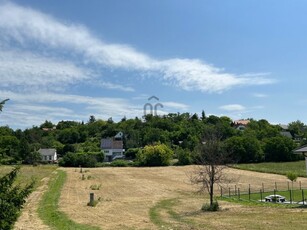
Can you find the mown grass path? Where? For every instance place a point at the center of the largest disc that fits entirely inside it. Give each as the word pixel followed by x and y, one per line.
pixel 48 209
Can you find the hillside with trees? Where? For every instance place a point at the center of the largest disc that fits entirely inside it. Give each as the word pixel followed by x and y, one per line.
pixel 178 134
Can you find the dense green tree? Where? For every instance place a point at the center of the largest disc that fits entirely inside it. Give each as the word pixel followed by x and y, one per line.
pixel 155 155
pixel 279 149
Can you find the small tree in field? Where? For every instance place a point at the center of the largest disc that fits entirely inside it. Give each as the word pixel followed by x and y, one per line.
pixel 292 177
pixel 211 160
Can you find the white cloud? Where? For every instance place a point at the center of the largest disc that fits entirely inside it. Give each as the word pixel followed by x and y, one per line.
pixel 19 68
pixel 260 95
pixel 233 108
pixel 175 105
pixel 25 24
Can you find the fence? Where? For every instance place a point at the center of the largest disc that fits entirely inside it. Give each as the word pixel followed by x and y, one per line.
pixel 294 193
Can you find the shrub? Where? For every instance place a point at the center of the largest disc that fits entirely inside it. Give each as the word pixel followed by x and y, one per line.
pixel 210 208
pixel 131 153
pixel 184 157
pixel 155 155
pixel 78 159
pixel 95 186
pixel 119 163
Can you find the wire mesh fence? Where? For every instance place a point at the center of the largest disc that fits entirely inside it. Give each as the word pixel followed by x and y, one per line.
pixel 278 192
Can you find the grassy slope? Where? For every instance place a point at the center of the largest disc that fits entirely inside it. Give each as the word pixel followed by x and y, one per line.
pixel 48 207
pixel 282 168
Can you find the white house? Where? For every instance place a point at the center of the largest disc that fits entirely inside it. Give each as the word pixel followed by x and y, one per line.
pixel 113 148
pixel 48 155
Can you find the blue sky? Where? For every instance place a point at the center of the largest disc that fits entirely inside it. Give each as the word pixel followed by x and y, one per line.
pixel 67 60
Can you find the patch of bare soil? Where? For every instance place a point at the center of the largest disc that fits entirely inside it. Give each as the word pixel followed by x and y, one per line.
pixel 29 218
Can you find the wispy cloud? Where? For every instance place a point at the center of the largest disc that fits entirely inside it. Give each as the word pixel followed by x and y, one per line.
pixel 19 68
pixel 27 26
pixel 233 108
pixel 260 95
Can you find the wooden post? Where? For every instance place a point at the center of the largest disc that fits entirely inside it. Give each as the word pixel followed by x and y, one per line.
pixel 260 195
pixel 239 193
pixel 92 199
pixel 221 192
pixel 275 186
pixel 262 187
pixel 229 191
pixel 249 192
pixel 235 189
pixel 300 185
pixel 303 197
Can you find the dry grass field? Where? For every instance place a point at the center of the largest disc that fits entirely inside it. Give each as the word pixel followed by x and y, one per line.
pixel 162 198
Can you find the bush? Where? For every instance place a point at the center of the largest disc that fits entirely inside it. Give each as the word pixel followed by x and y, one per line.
pixel 78 159
pixel 210 208
pixel 119 163
pixel 184 157
pixel 155 155
pixel 131 153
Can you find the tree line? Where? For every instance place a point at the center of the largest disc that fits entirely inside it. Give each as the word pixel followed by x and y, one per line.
pixel 181 133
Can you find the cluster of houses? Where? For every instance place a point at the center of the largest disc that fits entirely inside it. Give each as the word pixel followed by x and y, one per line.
pixel 113 149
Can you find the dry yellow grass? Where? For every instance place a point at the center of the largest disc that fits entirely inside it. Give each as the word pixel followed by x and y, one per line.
pixel 128 195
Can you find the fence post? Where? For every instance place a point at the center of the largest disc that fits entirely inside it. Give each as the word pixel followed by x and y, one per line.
pixel 229 191
pixel 239 193
pixel 303 197
pixel 235 189
pixel 260 195
pixel 221 192
pixel 262 187
pixel 275 186
pixel 249 192
pixel 300 185
pixel 288 186
pixel 92 199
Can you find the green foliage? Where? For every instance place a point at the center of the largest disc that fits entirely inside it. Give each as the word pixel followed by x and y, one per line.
pixel 33 158
pixel 78 159
pixel 12 199
pixel 155 155
pixel 120 163
pixel 210 208
pixel 184 157
pixel 132 152
pixel 95 186
pixel 292 176
pixel 279 149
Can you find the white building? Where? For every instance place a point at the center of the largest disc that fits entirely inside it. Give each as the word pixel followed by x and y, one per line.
pixel 48 155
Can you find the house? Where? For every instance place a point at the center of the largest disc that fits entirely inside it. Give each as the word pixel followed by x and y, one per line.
pixel 48 155
pixel 240 124
pixel 113 148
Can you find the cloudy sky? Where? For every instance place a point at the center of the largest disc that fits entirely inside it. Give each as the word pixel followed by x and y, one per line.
pixel 67 60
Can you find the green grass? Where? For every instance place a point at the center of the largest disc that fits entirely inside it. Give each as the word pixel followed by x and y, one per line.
pixel 282 168
pixel 48 206
pixel 296 195
pixel 164 217
pixel 28 173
